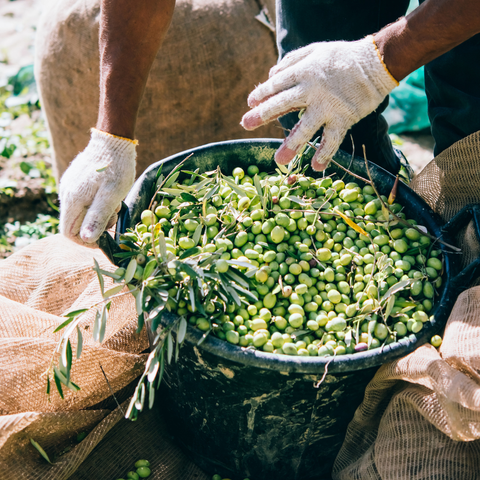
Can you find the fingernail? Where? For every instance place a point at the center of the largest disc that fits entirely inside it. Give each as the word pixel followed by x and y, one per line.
pixel 284 155
pixel 251 120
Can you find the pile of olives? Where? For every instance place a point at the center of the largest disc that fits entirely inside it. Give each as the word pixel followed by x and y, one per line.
pixel 336 269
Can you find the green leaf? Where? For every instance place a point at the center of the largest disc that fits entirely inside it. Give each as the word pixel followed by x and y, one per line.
pixel 103 324
pixel 296 200
pixel 171 179
pixel 162 367
pixel 58 382
pixel 75 313
pixel 234 294
pixel 397 288
pixel 371 329
pixel 69 359
pixel 125 254
pixel 101 169
pixel 130 271
pixel 142 397
pixel 190 252
pixel 197 234
pixel 211 192
pixel 151 395
pixel 258 186
pixel 48 385
pixel 155 311
pixel 159 172
pixel 235 188
pixel 153 370
pixel 162 244
pixel 276 290
pixel 79 342
pixel 64 324
pixel 99 275
pixel 177 351
pixel 139 302
pixel 241 264
pixel 188 197
pixel 149 268
pixel 187 269
pixel 389 307
pixel 140 323
pixel 113 291
pixel 238 277
pixel 40 450
pixel 169 347
pixel 348 338
pixel 182 330
pixel 96 326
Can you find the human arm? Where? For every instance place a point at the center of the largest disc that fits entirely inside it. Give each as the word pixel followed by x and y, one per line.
pixel 339 83
pixel 130 35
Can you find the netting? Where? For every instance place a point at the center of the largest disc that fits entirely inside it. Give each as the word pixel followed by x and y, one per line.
pixel 420 418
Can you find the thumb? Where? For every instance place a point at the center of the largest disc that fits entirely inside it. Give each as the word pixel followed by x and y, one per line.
pixel 332 137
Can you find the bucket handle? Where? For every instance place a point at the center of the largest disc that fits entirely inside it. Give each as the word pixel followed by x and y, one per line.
pixel 472 271
pixel 108 245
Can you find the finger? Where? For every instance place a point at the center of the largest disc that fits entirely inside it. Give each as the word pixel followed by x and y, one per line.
pixel 331 140
pixel 276 106
pixel 97 217
pixel 72 214
pixel 272 86
pixel 301 133
pixel 291 59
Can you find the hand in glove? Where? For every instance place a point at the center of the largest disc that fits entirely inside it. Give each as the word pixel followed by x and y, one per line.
pixel 95 183
pixel 338 84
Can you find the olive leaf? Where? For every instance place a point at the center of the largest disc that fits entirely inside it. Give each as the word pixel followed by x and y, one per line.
pixel 40 450
pixel 79 342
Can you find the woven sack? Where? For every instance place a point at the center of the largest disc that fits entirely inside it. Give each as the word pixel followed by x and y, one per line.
pixel 420 418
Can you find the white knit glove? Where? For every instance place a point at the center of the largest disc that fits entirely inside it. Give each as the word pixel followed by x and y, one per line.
pixel 338 83
pixel 95 183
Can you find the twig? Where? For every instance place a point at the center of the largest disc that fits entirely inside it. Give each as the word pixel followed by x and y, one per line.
pixel 111 391
pixel 399 219
pixel 317 385
pixel 166 178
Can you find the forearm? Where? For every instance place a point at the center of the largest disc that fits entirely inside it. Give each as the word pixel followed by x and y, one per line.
pixel 432 29
pixel 131 32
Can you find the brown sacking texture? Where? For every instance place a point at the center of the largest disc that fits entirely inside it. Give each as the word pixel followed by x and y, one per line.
pixel 420 418
pixel 37 285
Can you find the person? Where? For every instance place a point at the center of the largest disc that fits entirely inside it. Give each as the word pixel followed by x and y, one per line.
pixel 327 67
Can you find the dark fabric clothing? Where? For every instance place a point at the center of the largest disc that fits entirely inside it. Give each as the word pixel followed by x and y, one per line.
pixel 452 86
pixel 451 81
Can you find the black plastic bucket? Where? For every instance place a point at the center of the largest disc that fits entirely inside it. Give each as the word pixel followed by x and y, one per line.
pixel 245 413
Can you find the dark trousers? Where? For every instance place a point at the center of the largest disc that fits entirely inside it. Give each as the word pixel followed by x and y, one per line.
pixel 451 81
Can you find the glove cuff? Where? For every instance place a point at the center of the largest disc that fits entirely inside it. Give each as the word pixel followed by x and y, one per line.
pixel 377 71
pixel 380 57
pixel 111 147
pixel 101 133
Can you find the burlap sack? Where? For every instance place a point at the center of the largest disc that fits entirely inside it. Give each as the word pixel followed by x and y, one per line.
pixel 37 285
pixel 420 418
pixel 214 53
